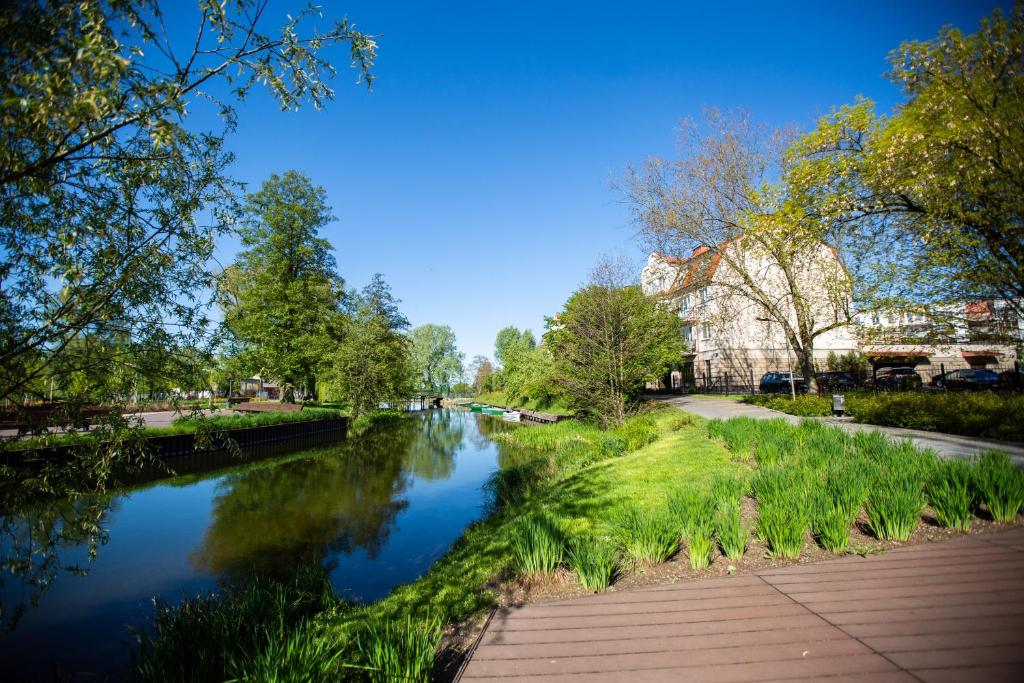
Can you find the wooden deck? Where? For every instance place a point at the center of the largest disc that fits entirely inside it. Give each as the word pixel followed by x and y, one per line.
pixel 951 611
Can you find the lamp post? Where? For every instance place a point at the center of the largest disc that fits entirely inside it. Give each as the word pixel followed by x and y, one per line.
pixel 789 357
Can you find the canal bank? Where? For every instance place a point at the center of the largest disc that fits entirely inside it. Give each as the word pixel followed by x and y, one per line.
pixel 374 512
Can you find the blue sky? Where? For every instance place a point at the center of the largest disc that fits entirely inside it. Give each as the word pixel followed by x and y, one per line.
pixel 476 174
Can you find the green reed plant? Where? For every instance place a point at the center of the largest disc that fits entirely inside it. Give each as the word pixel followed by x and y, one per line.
pixel 399 650
pixel 647 536
pixel 700 546
pixel 1000 486
pixel 732 535
pixel 846 488
pixel 727 488
pixel 692 509
pixel 537 546
pixel 307 653
pixel 894 506
pixel 951 492
pixel 782 525
pixel 831 526
pixel 594 560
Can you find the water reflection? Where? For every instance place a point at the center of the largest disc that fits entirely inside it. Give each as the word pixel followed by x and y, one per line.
pixel 373 512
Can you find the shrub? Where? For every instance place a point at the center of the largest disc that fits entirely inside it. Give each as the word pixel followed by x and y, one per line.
pixel 805 405
pixel 1000 486
pixel 399 650
pixel 894 506
pixel 637 432
pixel 648 536
pixel 732 535
pixel 537 546
pixel 594 560
pixel 692 509
pixel 951 492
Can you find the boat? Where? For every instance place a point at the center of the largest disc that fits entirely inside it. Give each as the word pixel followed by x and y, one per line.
pixel 511 416
pixel 476 408
pixel 491 410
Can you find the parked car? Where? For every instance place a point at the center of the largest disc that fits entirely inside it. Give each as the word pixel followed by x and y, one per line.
pixel 1011 380
pixel 967 380
pixel 890 379
pixel 835 381
pixel 778 382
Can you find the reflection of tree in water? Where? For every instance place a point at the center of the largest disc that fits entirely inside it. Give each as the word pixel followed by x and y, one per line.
pixel 436 439
pixel 270 521
pixel 30 546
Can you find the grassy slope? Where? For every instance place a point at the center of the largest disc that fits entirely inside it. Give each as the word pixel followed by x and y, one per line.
pixel 499 398
pixel 455 587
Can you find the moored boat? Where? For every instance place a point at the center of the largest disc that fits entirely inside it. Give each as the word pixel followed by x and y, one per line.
pixel 511 416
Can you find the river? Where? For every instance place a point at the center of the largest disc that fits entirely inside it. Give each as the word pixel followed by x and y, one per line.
pixel 375 511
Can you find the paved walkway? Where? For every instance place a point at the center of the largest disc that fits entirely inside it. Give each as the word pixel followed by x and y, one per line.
pixel 948 445
pixel 951 611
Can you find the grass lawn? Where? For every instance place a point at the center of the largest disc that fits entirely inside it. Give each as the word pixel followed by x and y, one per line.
pixel 499 398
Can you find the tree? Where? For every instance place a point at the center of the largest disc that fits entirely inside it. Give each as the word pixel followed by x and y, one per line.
pixel 607 342
pixel 282 297
pixel 437 360
pixel 722 200
pixel 102 180
pixel 932 198
pixel 373 362
pixel 511 341
pixel 480 371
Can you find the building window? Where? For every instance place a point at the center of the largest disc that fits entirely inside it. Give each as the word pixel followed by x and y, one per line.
pixel 705 330
pixel 684 304
pixel 687 334
pixel 875 320
pixel 704 295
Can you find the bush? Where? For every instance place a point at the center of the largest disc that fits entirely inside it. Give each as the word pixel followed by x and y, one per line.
pixel 647 536
pixel 594 560
pixel 637 432
pixel 1000 486
pixel 537 547
pixel 805 405
pixel 399 650
pixel 951 492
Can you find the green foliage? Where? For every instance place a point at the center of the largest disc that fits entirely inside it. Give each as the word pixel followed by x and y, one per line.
pixel 607 342
pixel 538 546
pixel 782 526
pixel 647 536
pixel 832 527
pixel 732 534
pixel 366 422
pixel 281 298
pixel 437 360
pixel 894 506
pixel 984 414
pixel 700 546
pixel 372 364
pixel 234 633
pixel 104 175
pixel 310 652
pixel 594 560
pixel 1000 486
pixel 693 510
pixel 951 492
pixel 399 650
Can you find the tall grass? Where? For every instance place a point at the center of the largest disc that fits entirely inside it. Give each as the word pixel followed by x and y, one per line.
pixel 214 637
pixel 700 546
pixel 732 535
pixel 693 509
pixel 538 546
pixel 783 517
pixel 951 492
pixel 594 560
pixel 401 650
pixel 894 506
pixel 307 653
pixel 647 536
pixel 1000 486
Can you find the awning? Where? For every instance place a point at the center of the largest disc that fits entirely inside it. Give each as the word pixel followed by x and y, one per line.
pixel 981 354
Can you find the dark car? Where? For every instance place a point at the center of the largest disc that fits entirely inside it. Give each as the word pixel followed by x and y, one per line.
pixel 1011 380
pixel 835 381
pixel 778 382
pixel 967 380
pixel 890 379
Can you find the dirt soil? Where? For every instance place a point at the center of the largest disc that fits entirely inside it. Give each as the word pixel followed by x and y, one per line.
pixel 460 638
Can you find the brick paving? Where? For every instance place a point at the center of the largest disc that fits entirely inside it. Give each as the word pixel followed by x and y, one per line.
pixel 950 611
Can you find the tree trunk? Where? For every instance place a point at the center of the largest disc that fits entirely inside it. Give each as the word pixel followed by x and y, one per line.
pixel 805 359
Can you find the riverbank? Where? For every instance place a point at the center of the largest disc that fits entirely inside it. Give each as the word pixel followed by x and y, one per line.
pixel 500 398
pixel 654 491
